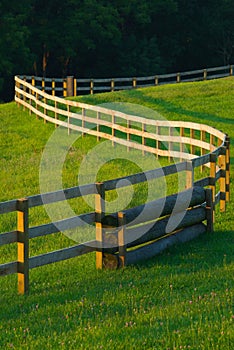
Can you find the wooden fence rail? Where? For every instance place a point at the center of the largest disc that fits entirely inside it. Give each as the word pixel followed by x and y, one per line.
pixel 71 86
pixel 119 236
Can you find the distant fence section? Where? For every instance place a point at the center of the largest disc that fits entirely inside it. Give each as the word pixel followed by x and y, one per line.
pixel 71 86
pixel 119 240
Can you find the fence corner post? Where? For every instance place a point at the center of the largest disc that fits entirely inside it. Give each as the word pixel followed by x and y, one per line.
pixel 99 215
pixel 23 245
pixel 121 239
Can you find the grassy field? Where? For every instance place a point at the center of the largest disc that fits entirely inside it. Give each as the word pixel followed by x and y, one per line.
pixel 181 299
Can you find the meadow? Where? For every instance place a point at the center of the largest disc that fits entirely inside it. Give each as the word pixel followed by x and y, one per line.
pixel 181 299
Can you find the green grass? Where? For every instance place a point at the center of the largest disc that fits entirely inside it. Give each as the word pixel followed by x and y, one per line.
pixel 181 299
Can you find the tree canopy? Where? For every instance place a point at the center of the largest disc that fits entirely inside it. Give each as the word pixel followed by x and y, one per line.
pixel 100 38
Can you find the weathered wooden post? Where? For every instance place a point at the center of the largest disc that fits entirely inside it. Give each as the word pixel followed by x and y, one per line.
pixel 23 246
pixel 70 86
pixel 134 83
pixel 99 215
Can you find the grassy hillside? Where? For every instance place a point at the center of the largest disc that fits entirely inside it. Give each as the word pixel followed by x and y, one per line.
pixel 181 299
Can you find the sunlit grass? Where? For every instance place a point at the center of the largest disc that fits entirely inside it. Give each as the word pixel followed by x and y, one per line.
pixel 181 299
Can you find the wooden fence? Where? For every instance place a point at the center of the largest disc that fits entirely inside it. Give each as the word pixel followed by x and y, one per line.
pixel 207 147
pixel 71 86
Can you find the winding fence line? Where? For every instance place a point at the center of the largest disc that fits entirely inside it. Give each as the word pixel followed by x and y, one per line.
pixel 119 240
pixel 71 86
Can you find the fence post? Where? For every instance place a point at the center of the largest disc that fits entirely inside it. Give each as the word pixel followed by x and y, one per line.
pixel 156 80
pixel 112 85
pixel 91 86
pixel 83 120
pixel 64 87
pixel 227 144
pixel 99 215
pixel 178 78
pixel 113 129
pixel 209 210
pixel 43 85
pixel 143 140
pixel 70 86
pixel 231 70
pixel 212 180
pixel 134 83
pixel 181 143
pixel 128 133
pixel 158 143
pixel 222 180
pixel 202 138
pixel 53 87
pixel 205 74
pixel 23 246
pixel 98 126
pixel 121 238
pixel 189 174
pixel 75 87
pixel 192 147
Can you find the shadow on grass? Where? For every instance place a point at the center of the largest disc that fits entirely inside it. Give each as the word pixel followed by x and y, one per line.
pixel 78 282
pixel 172 108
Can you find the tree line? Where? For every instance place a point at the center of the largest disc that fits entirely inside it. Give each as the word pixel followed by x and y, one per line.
pixel 115 38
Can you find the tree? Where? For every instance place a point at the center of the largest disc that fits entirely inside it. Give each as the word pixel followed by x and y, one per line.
pixel 14 51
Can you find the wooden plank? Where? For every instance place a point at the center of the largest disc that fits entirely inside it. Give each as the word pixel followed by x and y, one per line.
pixel 8 206
pixel 160 227
pixel 202 182
pixel 145 176
pixel 152 249
pixel 62 225
pixel 160 207
pixel 60 195
pixel 8 268
pixel 60 255
pixel 8 237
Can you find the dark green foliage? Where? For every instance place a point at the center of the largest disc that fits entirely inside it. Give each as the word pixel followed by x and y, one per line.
pixel 93 38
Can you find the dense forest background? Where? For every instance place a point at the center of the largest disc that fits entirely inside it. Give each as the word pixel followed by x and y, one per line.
pixel 116 38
